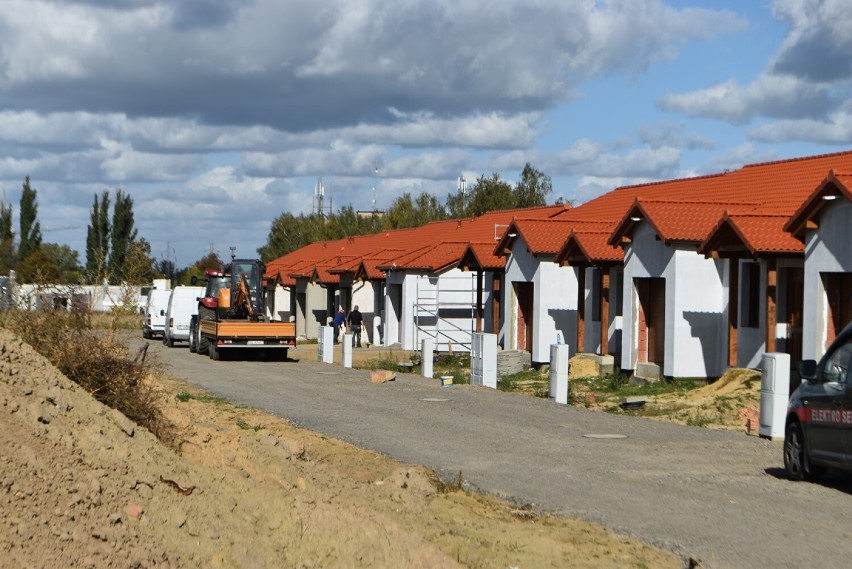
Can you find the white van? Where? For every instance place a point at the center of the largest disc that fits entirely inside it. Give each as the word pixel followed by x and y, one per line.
pixel 183 303
pixel 154 323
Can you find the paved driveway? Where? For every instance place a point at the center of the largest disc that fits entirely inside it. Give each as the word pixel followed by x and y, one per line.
pixel 718 496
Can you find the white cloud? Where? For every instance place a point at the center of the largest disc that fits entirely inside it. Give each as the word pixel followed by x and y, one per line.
pixel 590 158
pixel 769 95
pixel 808 78
pixel 221 113
pixel 836 128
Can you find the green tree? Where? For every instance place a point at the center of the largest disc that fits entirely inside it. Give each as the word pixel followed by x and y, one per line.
pixel 490 194
pixel 122 236
pixel 427 209
pixel 139 265
pixel 97 239
pixel 289 232
pixel 401 214
pixel 7 239
pixel 38 268
pixel 533 188
pixel 199 268
pixel 30 227
pixel 67 261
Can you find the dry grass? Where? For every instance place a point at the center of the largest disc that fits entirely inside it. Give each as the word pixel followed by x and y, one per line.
pixel 97 361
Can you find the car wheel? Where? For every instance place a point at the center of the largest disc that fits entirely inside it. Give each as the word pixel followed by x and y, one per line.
pixel 193 338
pixel 213 352
pixel 795 460
pixel 794 452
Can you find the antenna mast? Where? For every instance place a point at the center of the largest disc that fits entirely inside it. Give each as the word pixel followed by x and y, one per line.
pixel 319 199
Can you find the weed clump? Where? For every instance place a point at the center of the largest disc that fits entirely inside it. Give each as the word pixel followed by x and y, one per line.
pixel 96 361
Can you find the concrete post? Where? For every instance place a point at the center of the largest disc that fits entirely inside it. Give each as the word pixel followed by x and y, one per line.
pixel 427 353
pixel 558 388
pixel 483 360
pixel 347 350
pixel 325 344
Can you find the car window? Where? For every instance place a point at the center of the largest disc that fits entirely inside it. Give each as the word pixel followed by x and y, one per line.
pixel 836 365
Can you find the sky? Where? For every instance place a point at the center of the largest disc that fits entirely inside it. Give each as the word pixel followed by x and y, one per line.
pixel 217 116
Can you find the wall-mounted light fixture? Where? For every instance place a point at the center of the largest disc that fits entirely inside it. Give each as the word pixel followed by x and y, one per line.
pixel 829 197
pixel 635 218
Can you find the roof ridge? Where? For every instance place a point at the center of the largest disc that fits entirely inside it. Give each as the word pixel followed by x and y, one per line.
pixel 672 181
pixel 702 201
pixel 798 159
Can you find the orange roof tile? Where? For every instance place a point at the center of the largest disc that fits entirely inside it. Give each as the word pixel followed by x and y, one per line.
pixel 755 234
pixel 542 236
pixel 772 187
pixel 837 183
pixel 589 247
pixel 480 256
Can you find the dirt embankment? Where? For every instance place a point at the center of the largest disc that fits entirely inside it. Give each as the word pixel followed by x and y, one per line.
pixel 81 486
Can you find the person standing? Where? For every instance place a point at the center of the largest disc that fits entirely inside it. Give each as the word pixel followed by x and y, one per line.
pixel 356 320
pixel 339 320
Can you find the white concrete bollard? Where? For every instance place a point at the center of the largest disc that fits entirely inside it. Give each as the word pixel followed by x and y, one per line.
pixel 427 354
pixel 347 350
pixel 483 360
pixel 558 388
pixel 325 344
pixel 377 337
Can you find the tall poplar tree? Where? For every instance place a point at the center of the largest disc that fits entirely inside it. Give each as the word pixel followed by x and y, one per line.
pixel 122 236
pixel 7 238
pixel 30 227
pixel 97 239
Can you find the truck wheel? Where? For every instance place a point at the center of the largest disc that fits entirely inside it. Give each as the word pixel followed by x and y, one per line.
pixel 203 346
pixel 192 341
pixel 213 351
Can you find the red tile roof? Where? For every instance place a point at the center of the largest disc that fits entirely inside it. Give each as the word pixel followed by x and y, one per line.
pixel 754 234
pixel 589 247
pixel 542 236
pixel 480 256
pixel 685 210
pixel 432 247
pixel 772 188
pixel 838 183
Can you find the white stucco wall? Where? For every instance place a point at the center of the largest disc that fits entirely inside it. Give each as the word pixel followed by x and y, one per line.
pixel 554 302
pixel 316 307
pixel 696 305
pixel 363 296
pixel 751 342
pixel 592 343
pixel 454 291
pixel 394 308
pixel 828 249
pixel 279 304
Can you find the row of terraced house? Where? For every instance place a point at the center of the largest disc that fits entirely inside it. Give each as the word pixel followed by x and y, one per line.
pixel 694 275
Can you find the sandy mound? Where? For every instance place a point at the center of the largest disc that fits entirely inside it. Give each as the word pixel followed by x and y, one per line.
pixel 84 487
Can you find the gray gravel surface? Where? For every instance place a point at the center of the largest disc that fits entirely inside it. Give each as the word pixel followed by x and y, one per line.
pixel 712 495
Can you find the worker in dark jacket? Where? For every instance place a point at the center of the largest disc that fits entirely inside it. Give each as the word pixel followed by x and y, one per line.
pixel 339 320
pixel 356 320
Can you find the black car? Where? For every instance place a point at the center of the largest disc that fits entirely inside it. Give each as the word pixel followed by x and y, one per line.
pixel 819 416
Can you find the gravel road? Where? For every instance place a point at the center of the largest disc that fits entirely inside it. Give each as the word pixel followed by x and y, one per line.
pixel 713 495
